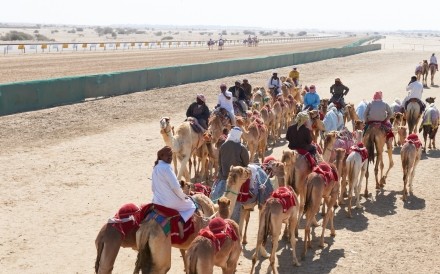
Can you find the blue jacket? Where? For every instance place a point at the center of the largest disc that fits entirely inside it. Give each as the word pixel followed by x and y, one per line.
pixel 311 99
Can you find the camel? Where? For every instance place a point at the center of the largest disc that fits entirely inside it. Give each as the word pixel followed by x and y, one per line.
pixel 376 138
pixel 259 93
pixel 224 208
pixel 397 122
pixel 410 155
pixel 356 163
pixel 412 115
pixel 425 71
pixel 272 216
pixel 359 125
pixel 204 252
pixel 218 122
pixel 317 188
pixel 284 122
pixel 200 161
pixel 432 70
pixel 109 240
pixel 342 171
pixel 430 125
pixel 401 135
pixel 268 117
pixel 256 138
pixel 329 142
pixel 350 114
pixel 323 106
pixel 184 142
pixel 317 125
pixel 278 113
pixel 150 236
pixel 278 172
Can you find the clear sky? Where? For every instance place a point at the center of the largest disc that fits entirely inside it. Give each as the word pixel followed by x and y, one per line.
pixel 307 14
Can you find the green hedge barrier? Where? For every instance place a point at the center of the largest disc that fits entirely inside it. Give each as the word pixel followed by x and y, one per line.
pixel 33 95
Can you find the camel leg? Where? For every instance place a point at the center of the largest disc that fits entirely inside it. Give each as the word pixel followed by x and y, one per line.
pixel 292 224
pixel 390 160
pixel 366 180
pixel 343 189
pixel 276 226
pixel 358 185
pixel 112 242
pixel 247 215
pixel 413 173
pixel 307 240
pixel 185 266
pixel 350 196
pixel 405 179
pixel 183 170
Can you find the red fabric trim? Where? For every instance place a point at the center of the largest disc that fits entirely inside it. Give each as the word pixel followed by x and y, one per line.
pixel 414 139
pixel 218 239
pixel 308 156
pixel 285 197
pixel 126 211
pixel 359 148
pixel 244 194
pixel 203 189
pixel 327 172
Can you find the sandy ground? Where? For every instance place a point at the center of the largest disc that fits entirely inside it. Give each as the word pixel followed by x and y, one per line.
pixel 66 170
pixel 27 67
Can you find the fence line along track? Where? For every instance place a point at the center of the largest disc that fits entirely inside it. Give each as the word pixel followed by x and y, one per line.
pixel 42 47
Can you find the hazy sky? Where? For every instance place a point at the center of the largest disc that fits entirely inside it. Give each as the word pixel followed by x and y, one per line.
pixel 283 14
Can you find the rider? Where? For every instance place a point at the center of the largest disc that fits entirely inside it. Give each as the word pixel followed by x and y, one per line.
pixel 360 109
pixel 419 69
pixel 333 119
pixel 415 91
pixel 298 135
pixel 239 95
pixel 166 188
pixel 338 91
pixel 294 75
pixel 378 111
pixel 275 83
pixel 433 60
pixel 225 102
pixel 231 153
pixel 311 99
pixel 247 91
pixel 396 106
pixel 200 111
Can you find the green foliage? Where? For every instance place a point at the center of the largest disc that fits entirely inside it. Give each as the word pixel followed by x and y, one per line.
pixel 302 33
pixel 16 36
pixel 79 29
pixel 159 33
pixel 41 37
pixel 249 32
pixel 71 31
pixel 167 38
pixel 103 31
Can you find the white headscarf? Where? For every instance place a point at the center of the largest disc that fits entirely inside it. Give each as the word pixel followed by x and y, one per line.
pixel 234 135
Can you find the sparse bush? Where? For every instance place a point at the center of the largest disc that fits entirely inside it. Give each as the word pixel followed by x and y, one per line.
pixel 282 33
pixel 54 31
pixel 224 32
pixel 79 29
pixel 40 37
pixel 103 31
pixel 167 38
pixel 249 32
pixel 140 32
pixel 16 36
pixel 36 31
pixel 114 34
pixel 176 33
pixel 302 33
pixel 159 33
pixel 71 31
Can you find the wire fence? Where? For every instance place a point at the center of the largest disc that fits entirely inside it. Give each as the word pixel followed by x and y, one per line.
pixel 44 47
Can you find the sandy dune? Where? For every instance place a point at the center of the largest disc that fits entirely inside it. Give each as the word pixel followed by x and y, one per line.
pixel 66 170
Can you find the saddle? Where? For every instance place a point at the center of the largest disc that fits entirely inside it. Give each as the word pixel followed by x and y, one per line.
pixel 414 139
pixel 194 123
pixel 359 148
pixel 202 189
pixel 285 197
pixel 308 155
pixel 328 173
pixel 126 219
pixel 218 231
pixel 223 115
pixel 244 193
pixel 267 165
pixel 385 126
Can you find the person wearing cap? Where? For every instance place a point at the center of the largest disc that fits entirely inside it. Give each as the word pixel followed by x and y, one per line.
pixel 239 95
pixel 166 188
pixel 299 135
pixel 247 91
pixel 338 91
pixel 311 99
pixel 274 84
pixel 396 106
pixel 225 102
pixel 199 111
pixel 415 91
pixel 378 111
pixel 294 75
pixel 231 153
pixel 433 60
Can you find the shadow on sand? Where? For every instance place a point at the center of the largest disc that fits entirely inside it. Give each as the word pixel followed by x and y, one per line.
pixel 383 205
pixel 414 203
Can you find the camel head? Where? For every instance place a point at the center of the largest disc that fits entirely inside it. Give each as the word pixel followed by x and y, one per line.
pixel 357 135
pixel 314 114
pixel 349 107
pixel 278 169
pixel 430 100
pixel 283 78
pixel 324 102
pixel 359 125
pixel 288 158
pixel 165 123
pixel 398 116
pixel 330 139
pixel 402 132
pixel 186 187
pixel 237 176
pixel 224 207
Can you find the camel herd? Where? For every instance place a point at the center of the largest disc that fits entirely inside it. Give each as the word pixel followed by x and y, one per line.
pixel 301 184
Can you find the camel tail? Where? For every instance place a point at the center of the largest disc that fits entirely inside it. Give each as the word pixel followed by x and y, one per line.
pixel 351 172
pixel 370 148
pixel 308 200
pixel 412 121
pixel 100 248
pixel 191 259
pixel 267 214
pixel 144 259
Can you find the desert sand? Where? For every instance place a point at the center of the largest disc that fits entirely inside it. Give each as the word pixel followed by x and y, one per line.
pixel 66 170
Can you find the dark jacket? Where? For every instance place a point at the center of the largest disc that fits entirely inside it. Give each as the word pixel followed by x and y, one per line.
pixel 247 90
pixel 299 138
pixel 241 94
pixel 231 154
pixel 198 111
pixel 338 90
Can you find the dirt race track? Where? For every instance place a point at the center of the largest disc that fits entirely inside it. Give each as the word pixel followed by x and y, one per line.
pixel 66 170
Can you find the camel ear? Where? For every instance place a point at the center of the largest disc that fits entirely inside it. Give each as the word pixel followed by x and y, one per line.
pixel 230 169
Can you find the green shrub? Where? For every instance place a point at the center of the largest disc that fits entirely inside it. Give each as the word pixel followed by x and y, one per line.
pixel 41 37
pixel 79 29
pixel 167 38
pixel 302 33
pixel 16 36
pixel 159 33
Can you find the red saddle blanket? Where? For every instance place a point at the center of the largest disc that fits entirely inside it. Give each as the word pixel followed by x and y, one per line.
pixel 126 219
pixel 203 189
pixel 168 219
pixel 327 172
pixel 285 196
pixel 267 165
pixel 308 156
pixel 385 126
pixel 218 231
pixel 244 194
pixel 359 148
pixel 414 139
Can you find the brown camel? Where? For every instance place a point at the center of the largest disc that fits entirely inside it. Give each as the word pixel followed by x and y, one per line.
pixel 184 143
pixel 224 208
pixel 256 139
pixel 375 139
pixel 258 95
pixel 323 106
pixel 397 122
pixel 203 253
pixel 432 70
pixel 150 237
pixel 341 166
pixel 401 135
pixel 356 167
pixel 359 125
pixel 272 217
pixel 109 239
pixel 268 117
pixel 425 71
pixel 430 123
pixel 278 171
pixel 218 122
pixel 329 142
pixel 318 188
pixel 350 114
pixel 278 113
pixel 317 125
pixel 412 115
pixel 410 155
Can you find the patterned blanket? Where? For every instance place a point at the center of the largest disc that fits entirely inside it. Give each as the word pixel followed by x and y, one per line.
pixel 285 197
pixel 328 173
pixel 201 188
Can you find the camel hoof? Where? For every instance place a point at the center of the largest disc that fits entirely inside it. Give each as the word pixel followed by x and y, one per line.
pixel 366 194
pixel 333 234
pixel 359 207
pixel 321 245
pixel 377 186
pixel 297 263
